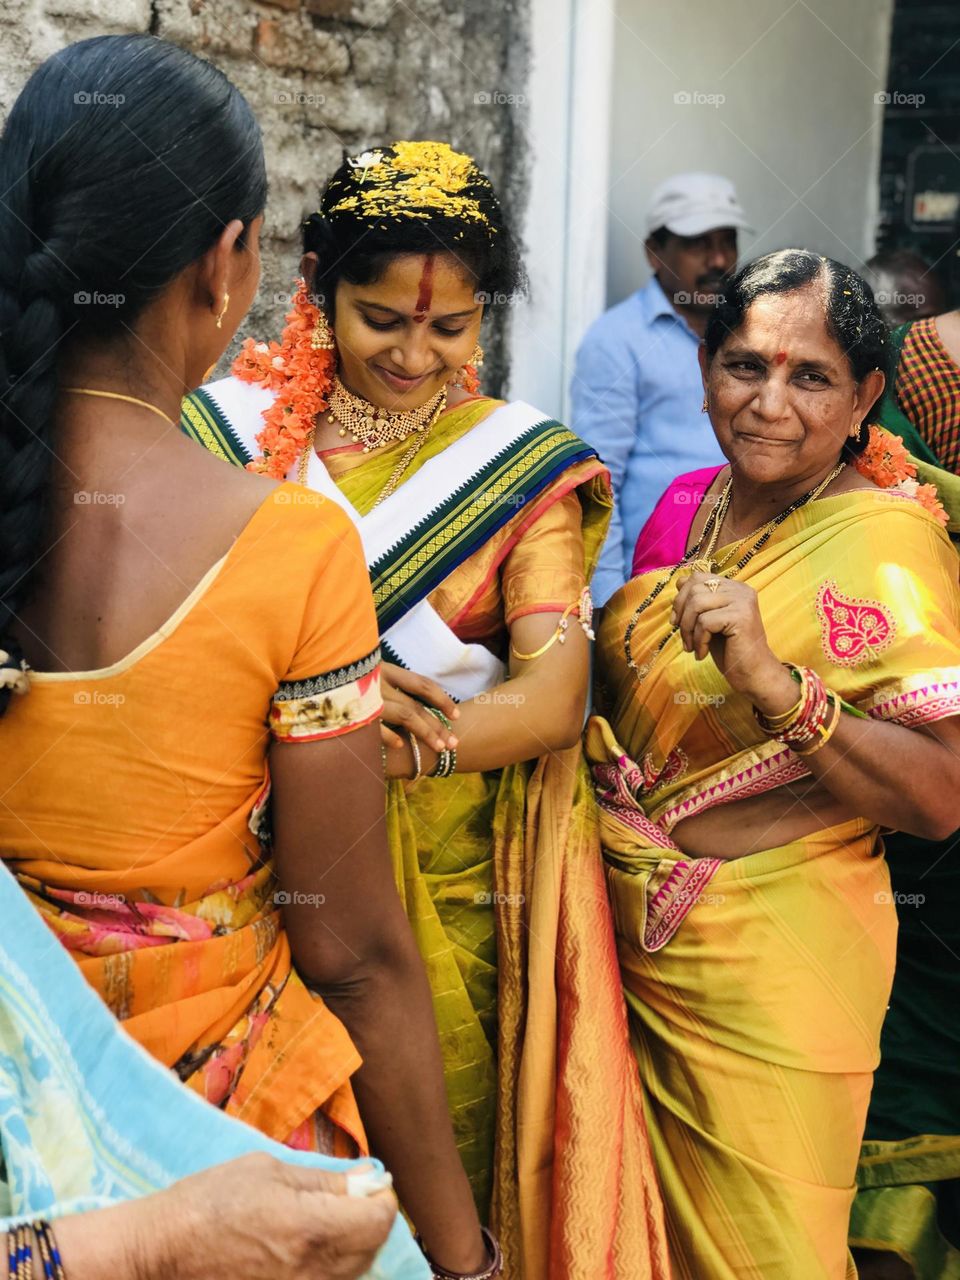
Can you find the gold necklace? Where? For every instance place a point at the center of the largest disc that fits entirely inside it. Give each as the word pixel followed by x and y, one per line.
pixel 116 395
pixel 395 475
pixel 694 560
pixel 373 426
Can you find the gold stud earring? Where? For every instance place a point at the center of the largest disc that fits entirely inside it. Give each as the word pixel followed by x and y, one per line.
pixel 854 432
pixel 223 309
pixel 704 407
pixel 322 338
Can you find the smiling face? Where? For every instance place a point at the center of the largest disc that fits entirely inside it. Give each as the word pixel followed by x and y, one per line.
pixel 402 337
pixel 781 393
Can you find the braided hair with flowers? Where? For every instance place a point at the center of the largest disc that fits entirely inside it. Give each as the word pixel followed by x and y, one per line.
pixel 407 198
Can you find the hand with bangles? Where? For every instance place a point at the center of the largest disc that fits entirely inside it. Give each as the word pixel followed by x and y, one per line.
pixel 409 730
pixel 252 1217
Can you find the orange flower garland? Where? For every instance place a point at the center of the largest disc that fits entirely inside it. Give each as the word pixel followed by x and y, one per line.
pixel 301 375
pixel 886 462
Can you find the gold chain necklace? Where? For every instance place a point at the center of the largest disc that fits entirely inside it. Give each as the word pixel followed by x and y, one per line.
pixel 373 426
pixel 117 395
pixel 697 559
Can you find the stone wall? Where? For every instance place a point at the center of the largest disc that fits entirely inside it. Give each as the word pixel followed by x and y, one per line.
pixel 322 76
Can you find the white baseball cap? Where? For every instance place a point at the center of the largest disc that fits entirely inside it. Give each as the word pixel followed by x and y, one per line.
pixel 688 204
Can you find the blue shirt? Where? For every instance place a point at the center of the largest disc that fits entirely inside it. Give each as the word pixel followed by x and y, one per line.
pixel 637 396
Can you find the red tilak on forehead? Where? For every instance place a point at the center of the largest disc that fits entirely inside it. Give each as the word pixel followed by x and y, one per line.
pixel 780 357
pixel 425 295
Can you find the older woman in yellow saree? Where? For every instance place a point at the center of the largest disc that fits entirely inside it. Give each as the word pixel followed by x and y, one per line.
pixel 742 798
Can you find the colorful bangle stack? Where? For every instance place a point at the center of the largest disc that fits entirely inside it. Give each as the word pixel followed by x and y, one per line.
pixel 20 1252
pixel 811 722
pixel 447 760
pixel 493 1268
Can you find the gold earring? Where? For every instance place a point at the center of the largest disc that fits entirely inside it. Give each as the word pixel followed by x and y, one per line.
pixel 223 309
pixel 704 407
pixel 854 432
pixel 322 338
pixel 477 357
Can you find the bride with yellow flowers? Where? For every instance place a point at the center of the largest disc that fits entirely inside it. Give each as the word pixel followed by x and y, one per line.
pixel 481 522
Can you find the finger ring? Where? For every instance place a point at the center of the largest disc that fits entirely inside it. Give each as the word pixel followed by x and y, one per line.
pixel 712 584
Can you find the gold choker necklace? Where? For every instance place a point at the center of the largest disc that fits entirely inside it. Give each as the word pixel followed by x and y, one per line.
pixel 373 426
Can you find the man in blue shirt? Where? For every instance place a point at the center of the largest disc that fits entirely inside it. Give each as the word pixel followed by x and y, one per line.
pixel 637 391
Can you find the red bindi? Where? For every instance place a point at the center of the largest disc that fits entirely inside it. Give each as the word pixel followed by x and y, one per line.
pixel 425 294
pixel 780 357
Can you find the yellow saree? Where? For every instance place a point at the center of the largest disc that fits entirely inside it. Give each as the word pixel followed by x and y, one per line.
pixel 757 987
pixel 501 876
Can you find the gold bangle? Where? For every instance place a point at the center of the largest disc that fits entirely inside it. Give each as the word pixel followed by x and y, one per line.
pixel 827 731
pixel 585 608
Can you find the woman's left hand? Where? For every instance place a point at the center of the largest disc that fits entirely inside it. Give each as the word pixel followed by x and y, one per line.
pixel 721 616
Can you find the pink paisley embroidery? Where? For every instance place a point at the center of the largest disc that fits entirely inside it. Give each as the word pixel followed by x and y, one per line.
pixel 674 767
pixel 852 631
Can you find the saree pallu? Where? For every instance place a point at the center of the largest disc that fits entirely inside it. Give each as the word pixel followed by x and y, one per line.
pixel 757 986
pixel 87 1118
pixel 501 876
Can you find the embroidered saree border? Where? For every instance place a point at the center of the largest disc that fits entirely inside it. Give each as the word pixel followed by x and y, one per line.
pixel 449 534
pixel 202 421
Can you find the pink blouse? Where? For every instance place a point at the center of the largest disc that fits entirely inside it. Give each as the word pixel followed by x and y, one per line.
pixel 663 539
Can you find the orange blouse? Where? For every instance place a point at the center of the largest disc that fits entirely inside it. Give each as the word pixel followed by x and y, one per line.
pixel 131 799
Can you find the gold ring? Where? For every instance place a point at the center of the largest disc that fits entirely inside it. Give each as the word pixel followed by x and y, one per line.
pixel 713 584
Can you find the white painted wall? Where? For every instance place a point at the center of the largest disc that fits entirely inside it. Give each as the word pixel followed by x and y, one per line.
pixel 565 231
pixel 798 130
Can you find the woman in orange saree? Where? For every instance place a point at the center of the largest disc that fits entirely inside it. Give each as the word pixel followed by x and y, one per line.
pixel 741 810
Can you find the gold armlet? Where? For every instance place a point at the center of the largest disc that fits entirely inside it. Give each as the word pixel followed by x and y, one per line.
pixel 584 610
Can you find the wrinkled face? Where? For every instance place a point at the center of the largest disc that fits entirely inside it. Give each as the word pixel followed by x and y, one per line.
pixel 692 269
pixel 781 394
pixel 400 338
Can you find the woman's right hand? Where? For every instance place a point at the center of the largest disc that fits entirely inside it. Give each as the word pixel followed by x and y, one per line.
pixel 406 696
pixel 251 1218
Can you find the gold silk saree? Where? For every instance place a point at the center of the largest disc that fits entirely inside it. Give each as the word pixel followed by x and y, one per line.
pixel 757 986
